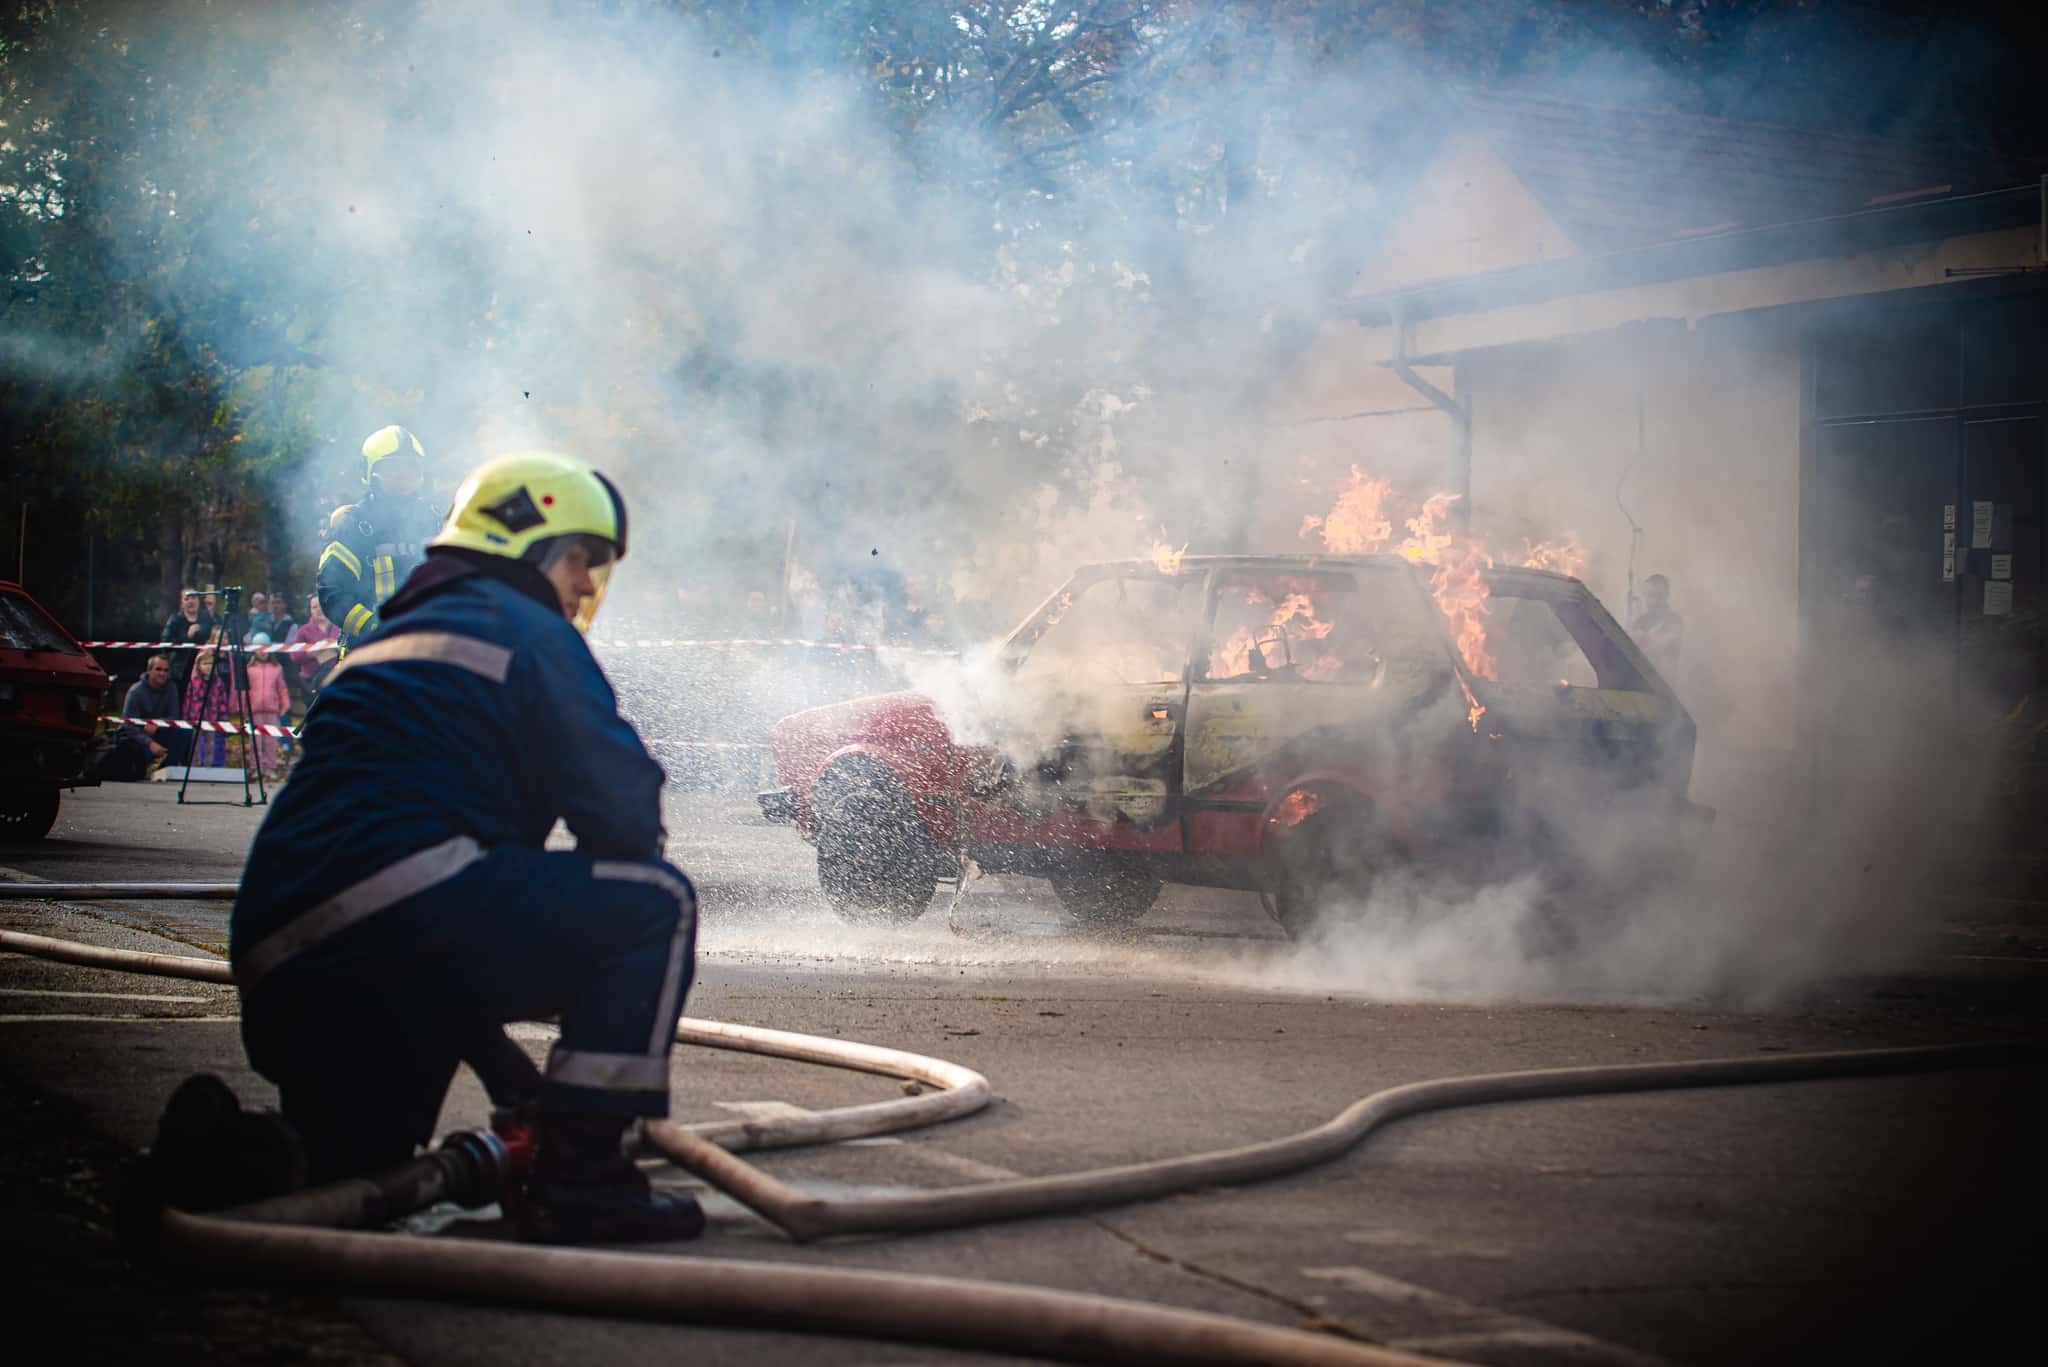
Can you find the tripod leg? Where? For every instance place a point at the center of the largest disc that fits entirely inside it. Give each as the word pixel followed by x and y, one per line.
pixel 249 752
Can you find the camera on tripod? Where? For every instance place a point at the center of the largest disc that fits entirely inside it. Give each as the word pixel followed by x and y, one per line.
pixel 224 698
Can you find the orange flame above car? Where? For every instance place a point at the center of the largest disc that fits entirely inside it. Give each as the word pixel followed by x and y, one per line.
pixel 1459 584
pixel 1564 555
pixel 1359 523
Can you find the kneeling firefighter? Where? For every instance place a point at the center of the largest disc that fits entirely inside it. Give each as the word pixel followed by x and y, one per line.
pixel 398 907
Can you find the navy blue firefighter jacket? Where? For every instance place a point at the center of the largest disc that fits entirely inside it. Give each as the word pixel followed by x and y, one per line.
pixel 476 710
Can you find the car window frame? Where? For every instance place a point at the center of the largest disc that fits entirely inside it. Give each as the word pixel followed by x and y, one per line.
pixel 1573 606
pixel 1022 642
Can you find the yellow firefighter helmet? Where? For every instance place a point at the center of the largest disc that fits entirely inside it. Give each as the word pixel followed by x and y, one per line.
pixel 386 442
pixel 532 506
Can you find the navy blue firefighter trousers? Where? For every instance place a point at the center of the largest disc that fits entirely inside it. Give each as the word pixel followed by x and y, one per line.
pixel 362 1031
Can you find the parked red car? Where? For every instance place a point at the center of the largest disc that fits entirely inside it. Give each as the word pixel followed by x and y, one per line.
pixel 51 696
pixel 1293 725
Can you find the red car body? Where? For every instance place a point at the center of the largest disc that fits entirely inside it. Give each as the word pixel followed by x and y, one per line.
pixel 51 696
pixel 1283 724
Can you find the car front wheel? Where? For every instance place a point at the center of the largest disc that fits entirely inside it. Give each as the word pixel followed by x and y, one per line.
pixel 874 858
pixel 27 814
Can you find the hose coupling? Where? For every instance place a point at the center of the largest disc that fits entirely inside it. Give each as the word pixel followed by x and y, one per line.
pixel 480 1167
pixel 518 1128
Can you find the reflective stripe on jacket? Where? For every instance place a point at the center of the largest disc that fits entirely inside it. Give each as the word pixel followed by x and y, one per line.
pixel 476 718
pixel 371 548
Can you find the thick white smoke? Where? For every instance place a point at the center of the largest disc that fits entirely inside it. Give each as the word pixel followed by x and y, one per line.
pixel 731 277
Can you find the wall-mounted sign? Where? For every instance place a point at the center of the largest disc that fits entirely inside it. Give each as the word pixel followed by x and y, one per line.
pixel 1948 517
pixel 2001 566
pixel 1980 524
pixel 1998 598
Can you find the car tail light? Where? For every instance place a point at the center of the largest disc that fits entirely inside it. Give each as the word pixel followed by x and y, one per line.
pixel 85 707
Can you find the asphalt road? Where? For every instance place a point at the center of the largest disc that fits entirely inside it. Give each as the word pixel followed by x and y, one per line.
pixel 1881 1219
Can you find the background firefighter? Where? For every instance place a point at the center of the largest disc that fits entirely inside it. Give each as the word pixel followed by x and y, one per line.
pixel 399 881
pixel 372 546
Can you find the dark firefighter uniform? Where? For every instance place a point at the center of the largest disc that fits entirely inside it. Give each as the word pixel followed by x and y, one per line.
pixel 372 546
pixel 398 905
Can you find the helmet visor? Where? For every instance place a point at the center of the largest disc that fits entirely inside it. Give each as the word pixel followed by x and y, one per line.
pixel 586 610
pixel 400 473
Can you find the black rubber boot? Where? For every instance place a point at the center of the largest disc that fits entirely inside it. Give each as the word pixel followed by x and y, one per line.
pixel 584 1190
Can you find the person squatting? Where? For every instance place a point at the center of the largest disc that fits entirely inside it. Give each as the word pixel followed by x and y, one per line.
pixel 398 907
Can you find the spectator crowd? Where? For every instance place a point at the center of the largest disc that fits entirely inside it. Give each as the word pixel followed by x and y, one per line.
pixel 730 697
pixel 199 679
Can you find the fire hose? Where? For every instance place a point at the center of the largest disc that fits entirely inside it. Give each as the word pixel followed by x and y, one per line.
pixel 944 1311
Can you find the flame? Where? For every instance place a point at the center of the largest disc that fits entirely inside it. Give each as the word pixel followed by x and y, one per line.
pixel 1234 656
pixel 1298 605
pixel 1473 708
pixel 1429 531
pixel 1564 555
pixel 1357 523
pixel 1360 523
pixel 1166 557
pixel 1459 584
pixel 1297 615
pixel 1297 807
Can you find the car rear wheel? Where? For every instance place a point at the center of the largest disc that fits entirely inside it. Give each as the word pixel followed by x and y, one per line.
pixel 27 814
pixel 874 859
pixel 1108 897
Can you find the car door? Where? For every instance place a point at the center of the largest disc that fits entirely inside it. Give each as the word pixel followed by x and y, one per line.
pixel 1581 714
pixel 1086 727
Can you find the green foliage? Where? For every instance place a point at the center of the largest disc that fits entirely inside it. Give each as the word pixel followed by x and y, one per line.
pixel 1191 178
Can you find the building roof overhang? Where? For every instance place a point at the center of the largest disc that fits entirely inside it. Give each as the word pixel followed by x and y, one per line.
pixel 1709 254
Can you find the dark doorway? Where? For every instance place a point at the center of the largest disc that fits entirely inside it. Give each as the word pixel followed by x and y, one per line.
pixel 1884 492
pixel 1924 563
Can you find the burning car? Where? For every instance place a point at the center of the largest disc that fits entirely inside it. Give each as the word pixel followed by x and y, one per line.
pixel 50 697
pixel 1292 725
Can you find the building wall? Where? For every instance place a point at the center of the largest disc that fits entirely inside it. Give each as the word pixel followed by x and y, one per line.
pixel 1714 485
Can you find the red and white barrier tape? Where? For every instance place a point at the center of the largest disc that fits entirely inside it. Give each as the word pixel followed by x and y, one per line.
pixel 229 728
pixel 195 645
pixel 638 644
pixel 235 728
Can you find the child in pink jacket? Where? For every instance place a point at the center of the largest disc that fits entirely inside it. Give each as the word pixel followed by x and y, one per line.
pixel 269 700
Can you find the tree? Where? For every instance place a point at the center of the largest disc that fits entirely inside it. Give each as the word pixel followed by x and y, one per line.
pixel 762 255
